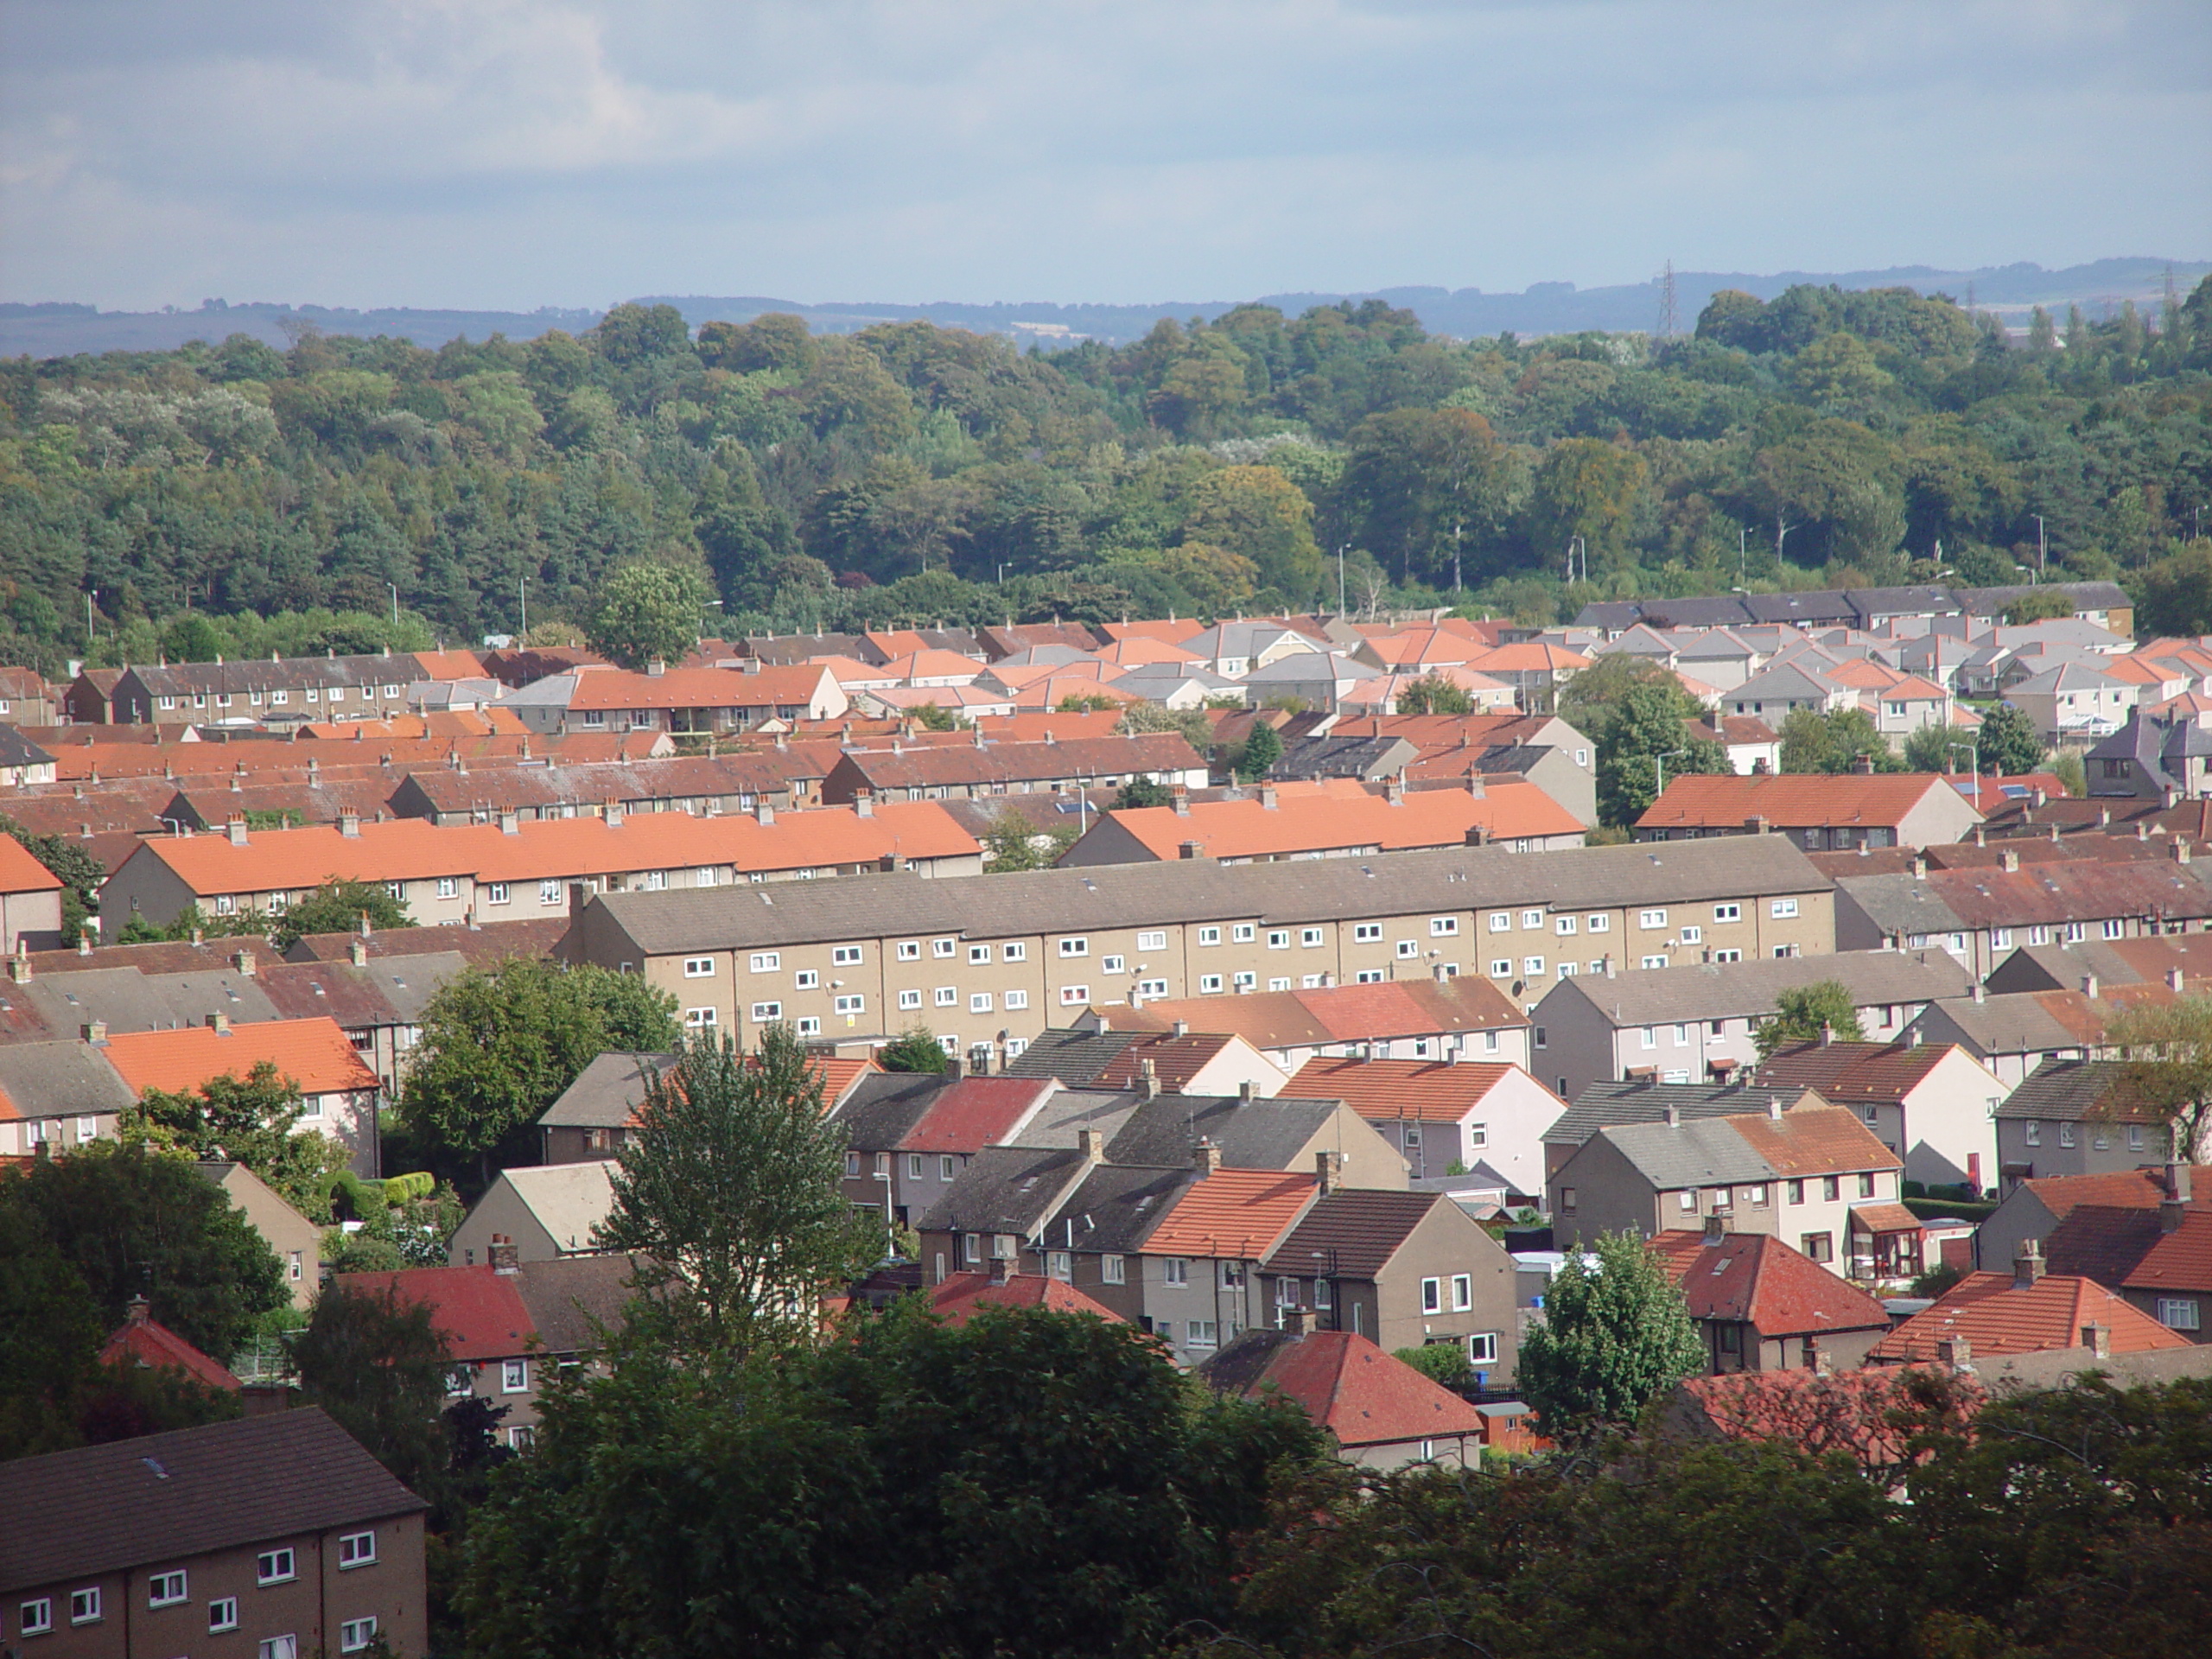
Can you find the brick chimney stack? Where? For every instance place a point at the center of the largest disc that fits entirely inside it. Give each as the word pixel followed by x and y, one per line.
pixel 1091 1143
pixel 506 1254
pixel 2097 1338
pixel 1205 1158
pixel 2027 1266
pixel 1330 1167
pixel 1955 1352
pixel 1297 1322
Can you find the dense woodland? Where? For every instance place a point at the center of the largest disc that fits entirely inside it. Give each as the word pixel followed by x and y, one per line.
pixel 234 496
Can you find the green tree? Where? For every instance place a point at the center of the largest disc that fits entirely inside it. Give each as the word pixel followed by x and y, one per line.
pixel 914 1049
pixel 1929 749
pixel 1014 844
pixel 630 335
pixel 1646 739
pixel 499 1047
pixel 1590 489
pixel 133 1222
pixel 2009 743
pixel 731 1185
pixel 1441 1362
pixel 1426 488
pixel 1616 1334
pixel 2165 1049
pixel 2038 605
pixel 1835 741
pixel 1806 1013
pixel 340 907
pixel 2177 592
pixel 775 342
pixel 381 1367
pixel 1195 725
pixel 871 1495
pixel 647 612
pixel 1260 751
pixel 1257 513
pixel 1432 694
pixel 254 1121
pixel 1141 792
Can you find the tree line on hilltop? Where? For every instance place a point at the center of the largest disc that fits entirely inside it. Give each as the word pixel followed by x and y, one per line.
pixel 350 494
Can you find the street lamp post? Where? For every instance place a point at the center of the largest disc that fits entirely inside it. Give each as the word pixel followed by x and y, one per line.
pixel 395 603
pixel 2042 549
pixel 1659 768
pixel 1342 549
pixel 1973 758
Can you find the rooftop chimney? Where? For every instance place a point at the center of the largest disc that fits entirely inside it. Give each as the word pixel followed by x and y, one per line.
pixel 238 831
pixel 1827 1034
pixel 1001 1264
pixel 1193 849
pixel 357 952
pixel 1673 1116
pixel 1297 1321
pixel 2181 851
pixel 2175 980
pixel 84 944
pixel 1330 1167
pixel 1774 1108
pixel 95 1033
pixel 349 825
pixel 1148 1079
pixel 1394 789
pixel 506 1254
pixel 1205 1158
pixel 2097 1338
pixel 1980 993
pixel 1180 798
pixel 656 668
pixel 1755 825
pixel 1268 796
pixel 219 1024
pixel 2089 986
pixel 863 804
pixel 2027 1266
pixel 1920 866
pixel 136 1310
pixel 2010 858
pixel 1245 1091
pixel 242 959
pixel 1862 766
pixel 1182 1027
pixel 1091 1143
pixel 1953 1351
pixel 2176 1182
pixel 1716 1229
pixel 764 813
pixel 19 965
pixel 510 824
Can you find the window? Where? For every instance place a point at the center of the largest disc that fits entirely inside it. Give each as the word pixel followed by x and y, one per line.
pixel 1831 1188
pixel 946 996
pixel 448 887
pixel 1692 934
pixel 699 1019
pixel 1368 976
pixel 910 950
pixel 810 1026
pixel 845 955
pixel 1110 964
pixel 226 905
pixel 1060 1265
pixel 1532 918
pixel 1651 918
pixel 36 1618
pixel 1462 1291
pixel 1367 932
pixel 2065 1135
pixel 1601 924
pixel 1501 921
pixel 1174 1270
pixel 1727 956
pixel 281 1647
pixel 698 967
pixel 1408 948
pixel 165 1589
pixel 806 979
pixel 356 1550
pixel 1072 996
pixel 1443 927
pixel 1780 908
pixel 1015 1001
pixel 765 962
pixel 1756 1197
pixel 1075 947
pixel 1432 1295
pixel 1567 1197
pixel 1278 938
pixel 2114 928
pixel 1501 968
pixel 1539 1036
pixel 2178 1312
pixel 1532 966
pixel 514 1375
pixel 1482 1348
pixel 356 1634
pixel 498 892
pixel 1243 981
pixel 1209 936
pixel 1727 913
pixel 979 1002
pixel 943 947
pixel 1152 941
pixel 295 1267
pixel 84 1606
pixel 764 1012
pixel 2135 1137
pixel 1650 1036
pixel 1113 1269
pixel 1818 1246
pixel 1210 984
pixel 275 1566
pixel 1866 1186
pixel 1652 962
pixel 1309 937
pixel 1017 951
pixel 1204 1333
pixel 1152 987
pixel 2031 1132
pixel 1243 932
pixel 1681 1035
pixel 222 1614
pixel 851 1003
pixel 909 1000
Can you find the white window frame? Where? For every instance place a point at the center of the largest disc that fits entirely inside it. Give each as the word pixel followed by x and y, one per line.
pixel 850 1002
pixel 276 1566
pixel 1462 1291
pixel 355 1634
pixel 765 962
pixel 35 1617
pixel 514 1377
pixel 1432 1295
pixel 1243 932
pixel 1501 921
pixel 1727 913
pixel 945 947
pixel 845 955
pixel 698 967
pixel 1208 936
pixel 763 1012
pixel 909 1000
pixel 222 1614
pixel 1014 950
pixel 807 979
pixel 1016 1002
pixel 1175 1270
pixel 85 1605
pixel 910 950
pixel 1210 984
pixel 356 1550
pixel 1367 932
pixel 1155 940
pixel 979 1002
pixel 1074 947
pixel 167 1589
pixel 1443 927
pixel 1113 1269
pixel 1782 909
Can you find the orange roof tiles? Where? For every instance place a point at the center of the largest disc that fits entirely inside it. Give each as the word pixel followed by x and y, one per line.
pixel 1233 1212
pixel 2133 1189
pixel 1426 1092
pixel 963 1296
pixel 142 1342
pixel 1361 1394
pixel 1847 1073
pixel 1725 800
pixel 695 688
pixel 1997 1316
pixel 21 872
pixel 1337 1013
pixel 313 1053
pixel 1813 1141
pixel 2181 1260
pixel 1349 817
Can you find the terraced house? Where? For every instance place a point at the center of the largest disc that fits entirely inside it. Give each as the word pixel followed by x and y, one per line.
pixel 993 961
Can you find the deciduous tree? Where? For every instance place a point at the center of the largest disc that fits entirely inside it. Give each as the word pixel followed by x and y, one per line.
pixel 254 1121
pixel 1616 1334
pixel 1807 1013
pixel 647 612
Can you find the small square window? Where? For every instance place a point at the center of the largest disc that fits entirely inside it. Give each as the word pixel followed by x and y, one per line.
pixel 764 1012
pixel 1564 926
pixel 910 950
pixel 1157 941
pixel 909 1000
pixel 1432 1295
pixel 1210 984
pixel 1501 921
pixel 946 996
pixel 1243 981
pixel 806 979
pixel 1442 927
pixel 810 1026
pixel 849 1005
pixel 1782 908
pixel 979 956
pixel 1309 937
pixel 1113 1269
pixel 1015 1001
pixel 1462 1291
pixel 222 1614
pixel 1367 932
pixel 765 962
pixel 845 955
pixel 84 1606
pixel 1017 951
pixel 1075 947
pixel 1243 932
pixel 1278 938
pixel 1209 936
pixel 979 1002
pixel 165 1589
pixel 1408 948
pixel 275 1566
pixel 356 1634
pixel 698 967
pixel 944 947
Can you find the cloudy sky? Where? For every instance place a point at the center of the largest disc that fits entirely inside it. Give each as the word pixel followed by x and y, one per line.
pixel 518 153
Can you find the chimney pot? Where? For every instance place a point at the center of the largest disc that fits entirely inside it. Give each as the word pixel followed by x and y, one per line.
pixel 357 952
pixel 237 828
pixel 1268 796
pixel 2011 859
pixel 1673 1116
pixel 510 824
pixel 766 814
pixel 1205 1158
pixel 863 804
pixel 349 825
pixel 95 1033
pixel 1297 1321
pixel 219 1024
pixel 2027 1266
pixel 2089 986
pixel 243 960
pixel 506 1255
pixel 1953 1351
pixel 136 1310
pixel 1980 993
pixel 1180 798
pixel 1716 1229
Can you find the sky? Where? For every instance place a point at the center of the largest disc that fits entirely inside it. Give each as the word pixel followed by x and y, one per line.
pixel 511 154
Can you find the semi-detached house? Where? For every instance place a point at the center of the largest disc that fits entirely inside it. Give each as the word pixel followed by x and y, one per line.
pixel 993 963
pixel 519 867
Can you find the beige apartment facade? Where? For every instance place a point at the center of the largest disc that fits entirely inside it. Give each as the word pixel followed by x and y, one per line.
pixel 992 963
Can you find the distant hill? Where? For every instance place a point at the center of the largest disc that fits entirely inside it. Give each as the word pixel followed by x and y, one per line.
pixel 61 330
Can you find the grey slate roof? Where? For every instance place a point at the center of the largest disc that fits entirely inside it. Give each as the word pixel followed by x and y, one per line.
pixel 2009 1024
pixel 1064 1117
pixel 1115 1208
pixel 1259 1134
pixel 1697 1152
pixel 1120 895
pixel 16 750
pixel 162 1498
pixel 61 1078
pixel 125 1000
pixel 1364 758
pixel 1074 1056
pixel 884 1106
pixel 1712 990
pixel 1357 1232
pixel 1901 905
pixel 605 1092
pixel 1604 1103
pixel 1007 1189
pixel 2063 1090
pixel 571 1297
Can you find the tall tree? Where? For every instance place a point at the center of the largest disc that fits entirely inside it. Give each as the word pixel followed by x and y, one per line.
pixel 254 1121
pixel 1616 1334
pixel 2010 742
pixel 381 1367
pixel 2166 1053
pixel 731 1184
pixel 647 612
pixel 1646 740
pixel 1806 1013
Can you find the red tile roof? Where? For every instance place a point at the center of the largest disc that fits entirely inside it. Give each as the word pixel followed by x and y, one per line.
pixel 2133 1189
pixel 1233 1212
pixel 697 688
pixel 2181 1260
pixel 1997 1316
pixel 1344 814
pixel 1856 1412
pixel 21 872
pixel 1852 1074
pixel 157 1347
pixel 1813 1141
pixel 1748 1278
pixel 313 1053
pixel 1337 1013
pixel 1723 800
pixel 478 1310
pixel 960 1298
pixel 1175 1060
pixel 1426 1092
pixel 1361 1394
pixel 975 1113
